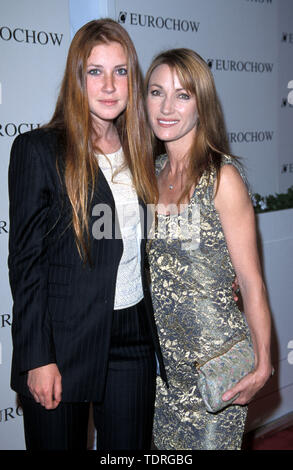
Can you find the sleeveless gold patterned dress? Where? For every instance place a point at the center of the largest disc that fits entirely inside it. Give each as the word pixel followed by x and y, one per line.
pixel 196 315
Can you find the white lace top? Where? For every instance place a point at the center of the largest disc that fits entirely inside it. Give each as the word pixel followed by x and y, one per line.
pixel 128 283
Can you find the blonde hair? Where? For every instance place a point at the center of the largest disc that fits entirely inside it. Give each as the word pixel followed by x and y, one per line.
pixel 72 116
pixel 211 138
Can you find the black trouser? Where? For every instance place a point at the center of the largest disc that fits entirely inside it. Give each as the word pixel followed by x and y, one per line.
pixel 124 418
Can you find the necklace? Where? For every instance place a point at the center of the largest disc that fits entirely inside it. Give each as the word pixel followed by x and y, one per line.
pixel 176 175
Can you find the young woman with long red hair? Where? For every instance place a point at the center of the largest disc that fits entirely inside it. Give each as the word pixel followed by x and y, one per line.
pixel 83 326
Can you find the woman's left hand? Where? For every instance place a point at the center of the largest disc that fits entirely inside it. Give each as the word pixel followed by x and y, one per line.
pixel 248 386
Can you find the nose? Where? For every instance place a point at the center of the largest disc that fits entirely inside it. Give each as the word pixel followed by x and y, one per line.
pixel 167 105
pixel 109 83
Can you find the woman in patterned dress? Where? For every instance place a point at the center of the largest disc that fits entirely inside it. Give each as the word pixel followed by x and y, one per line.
pixel 203 234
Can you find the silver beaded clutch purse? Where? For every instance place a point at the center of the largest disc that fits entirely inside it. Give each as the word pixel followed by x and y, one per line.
pixel 221 373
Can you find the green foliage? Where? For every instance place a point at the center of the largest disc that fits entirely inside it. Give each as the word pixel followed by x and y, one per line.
pixel 273 203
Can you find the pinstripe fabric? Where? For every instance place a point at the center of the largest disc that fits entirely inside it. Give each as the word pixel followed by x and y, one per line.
pixel 62 308
pixel 64 428
pixel 124 417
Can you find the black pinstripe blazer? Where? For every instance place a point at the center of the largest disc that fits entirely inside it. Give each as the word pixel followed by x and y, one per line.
pixel 62 309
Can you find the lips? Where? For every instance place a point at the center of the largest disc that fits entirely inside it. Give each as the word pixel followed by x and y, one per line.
pixel 108 102
pixel 167 123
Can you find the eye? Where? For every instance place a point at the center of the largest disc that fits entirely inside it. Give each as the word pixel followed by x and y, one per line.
pixel 121 71
pixel 94 72
pixel 184 96
pixel 155 92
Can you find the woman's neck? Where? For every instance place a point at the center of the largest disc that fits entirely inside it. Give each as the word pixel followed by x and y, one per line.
pixel 178 162
pixel 107 139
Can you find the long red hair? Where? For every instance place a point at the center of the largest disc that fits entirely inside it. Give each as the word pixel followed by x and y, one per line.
pixel 72 116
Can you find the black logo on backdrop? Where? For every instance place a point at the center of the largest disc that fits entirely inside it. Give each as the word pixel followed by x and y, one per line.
pixel 287 37
pixel 10 413
pixel 3 227
pixel 12 129
pixel 5 320
pixel 158 22
pixel 286 103
pixel 122 16
pixel 250 137
pixel 287 168
pixel 30 36
pixel 229 65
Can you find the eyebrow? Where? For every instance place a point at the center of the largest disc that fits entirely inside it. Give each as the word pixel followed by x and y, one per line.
pixel 101 66
pixel 160 86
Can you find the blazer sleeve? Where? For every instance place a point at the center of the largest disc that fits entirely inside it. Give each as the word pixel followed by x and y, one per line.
pixel 29 198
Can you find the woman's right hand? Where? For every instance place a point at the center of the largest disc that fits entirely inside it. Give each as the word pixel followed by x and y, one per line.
pixel 45 385
pixel 235 289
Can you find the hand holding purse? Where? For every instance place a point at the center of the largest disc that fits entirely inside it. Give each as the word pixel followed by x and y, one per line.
pixel 221 373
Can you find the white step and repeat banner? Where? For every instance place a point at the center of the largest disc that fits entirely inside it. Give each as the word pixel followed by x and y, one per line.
pixel 247 43
pixel 248 46
pixel 34 39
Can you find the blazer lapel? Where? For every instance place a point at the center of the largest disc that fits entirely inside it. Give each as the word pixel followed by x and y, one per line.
pixel 103 193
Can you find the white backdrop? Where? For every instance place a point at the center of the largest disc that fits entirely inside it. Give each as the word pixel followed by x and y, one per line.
pixel 239 39
pixel 249 46
pixel 34 38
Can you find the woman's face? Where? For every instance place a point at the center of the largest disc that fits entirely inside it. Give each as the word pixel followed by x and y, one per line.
pixel 107 82
pixel 171 109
